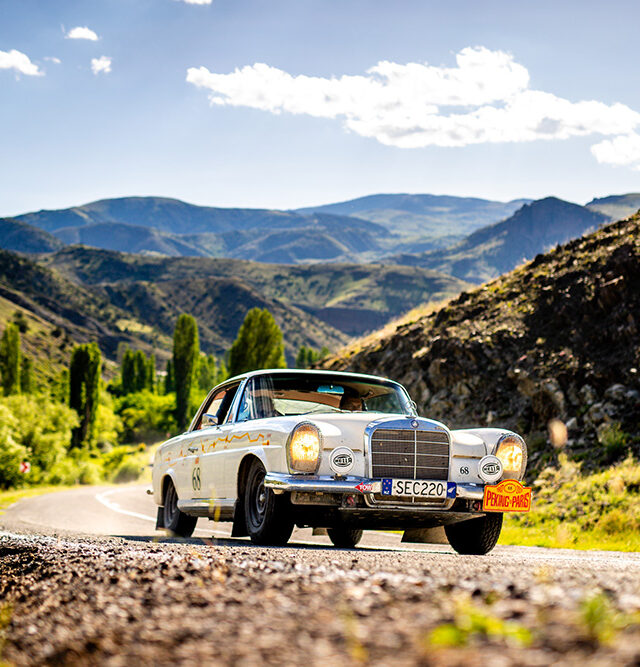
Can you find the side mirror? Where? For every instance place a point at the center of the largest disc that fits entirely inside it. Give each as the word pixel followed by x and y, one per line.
pixel 209 420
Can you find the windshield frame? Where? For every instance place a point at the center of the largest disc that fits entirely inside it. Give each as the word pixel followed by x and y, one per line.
pixel 328 377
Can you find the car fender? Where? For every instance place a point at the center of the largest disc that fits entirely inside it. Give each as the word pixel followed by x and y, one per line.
pixel 171 474
pixel 468 439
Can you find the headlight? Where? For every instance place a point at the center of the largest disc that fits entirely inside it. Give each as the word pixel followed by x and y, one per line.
pixel 512 453
pixel 303 449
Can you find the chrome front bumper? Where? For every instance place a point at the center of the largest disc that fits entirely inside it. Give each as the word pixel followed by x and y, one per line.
pixel 282 482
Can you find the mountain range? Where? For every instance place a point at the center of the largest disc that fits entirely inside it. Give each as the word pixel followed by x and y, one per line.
pixel 156 225
pixel 426 220
pixel 471 238
pixel 498 248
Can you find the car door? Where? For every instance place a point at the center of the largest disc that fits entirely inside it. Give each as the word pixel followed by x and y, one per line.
pixel 249 428
pixel 211 443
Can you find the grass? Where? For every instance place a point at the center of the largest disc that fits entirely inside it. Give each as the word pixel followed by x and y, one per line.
pixel 573 510
pixel 472 621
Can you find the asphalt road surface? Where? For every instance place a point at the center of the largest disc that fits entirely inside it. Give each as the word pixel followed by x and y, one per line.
pixel 86 579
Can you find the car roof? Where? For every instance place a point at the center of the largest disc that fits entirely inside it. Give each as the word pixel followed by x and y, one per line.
pixel 307 371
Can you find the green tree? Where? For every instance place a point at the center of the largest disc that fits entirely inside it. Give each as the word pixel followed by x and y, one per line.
pixel 27 385
pixel 307 356
pixel 207 372
pixel 221 374
pixel 169 378
pixel 186 351
pixel 258 344
pixel 10 360
pixel 84 389
pixel 301 357
pixel 128 372
pixel 60 387
pixel 21 321
pixel 150 383
pixel 140 370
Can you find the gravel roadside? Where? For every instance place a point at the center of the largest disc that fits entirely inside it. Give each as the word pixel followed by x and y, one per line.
pixel 79 600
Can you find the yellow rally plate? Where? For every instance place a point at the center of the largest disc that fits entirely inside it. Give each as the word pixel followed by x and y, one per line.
pixel 508 496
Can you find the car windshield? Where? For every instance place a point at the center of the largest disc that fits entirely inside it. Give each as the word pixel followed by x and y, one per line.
pixel 299 394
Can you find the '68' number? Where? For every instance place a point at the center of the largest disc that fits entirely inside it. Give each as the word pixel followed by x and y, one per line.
pixel 195 479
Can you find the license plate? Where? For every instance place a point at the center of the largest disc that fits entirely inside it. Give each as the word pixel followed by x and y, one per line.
pixel 420 488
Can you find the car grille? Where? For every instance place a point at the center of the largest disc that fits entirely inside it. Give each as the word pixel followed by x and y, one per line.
pixel 409 454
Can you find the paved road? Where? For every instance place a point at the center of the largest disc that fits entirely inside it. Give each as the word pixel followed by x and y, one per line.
pixel 90 581
pixel 128 511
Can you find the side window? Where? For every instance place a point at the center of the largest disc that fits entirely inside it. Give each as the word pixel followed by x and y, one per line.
pixel 219 405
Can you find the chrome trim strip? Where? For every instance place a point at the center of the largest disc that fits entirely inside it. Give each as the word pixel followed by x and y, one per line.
pixel 324 484
pixel 206 506
pixel 431 507
pixel 470 491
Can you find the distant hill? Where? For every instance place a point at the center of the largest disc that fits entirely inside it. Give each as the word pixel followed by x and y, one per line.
pixel 144 313
pixel 21 237
pixel 174 228
pixel 498 248
pixel 128 238
pixel 556 338
pixel 616 207
pixel 61 313
pixel 433 218
pixel 352 298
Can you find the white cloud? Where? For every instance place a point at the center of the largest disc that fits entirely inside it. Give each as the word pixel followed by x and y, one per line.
pixel 623 151
pixel 197 2
pixel 101 65
pixel 53 59
pixel 485 98
pixel 82 32
pixel 19 62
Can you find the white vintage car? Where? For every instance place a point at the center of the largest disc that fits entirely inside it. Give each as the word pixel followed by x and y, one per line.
pixel 342 451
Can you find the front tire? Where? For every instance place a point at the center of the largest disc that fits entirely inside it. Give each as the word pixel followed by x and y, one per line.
pixel 267 515
pixel 476 536
pixel 345 538
pixel 176 522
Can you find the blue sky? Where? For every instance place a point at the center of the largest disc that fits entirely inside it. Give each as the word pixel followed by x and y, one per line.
pixel 490 99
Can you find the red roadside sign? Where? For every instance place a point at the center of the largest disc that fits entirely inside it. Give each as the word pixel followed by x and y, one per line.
pixel 25 467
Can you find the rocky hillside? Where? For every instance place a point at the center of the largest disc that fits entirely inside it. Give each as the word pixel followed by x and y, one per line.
pixel 556 338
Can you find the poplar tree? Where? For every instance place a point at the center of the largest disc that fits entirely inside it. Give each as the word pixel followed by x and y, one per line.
pixel 186 351
pixel 128 372
pixel 139 370
pixel 10 360
pixel 150 382
pixel 26 376
pixel 207 372
pixel 169 378
pixel 84 386
pixel 258 344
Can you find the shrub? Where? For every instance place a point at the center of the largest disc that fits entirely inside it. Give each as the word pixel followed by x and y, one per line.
pixel 145 415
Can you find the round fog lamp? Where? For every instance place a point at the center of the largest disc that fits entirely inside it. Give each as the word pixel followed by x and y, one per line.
pixel 490 468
